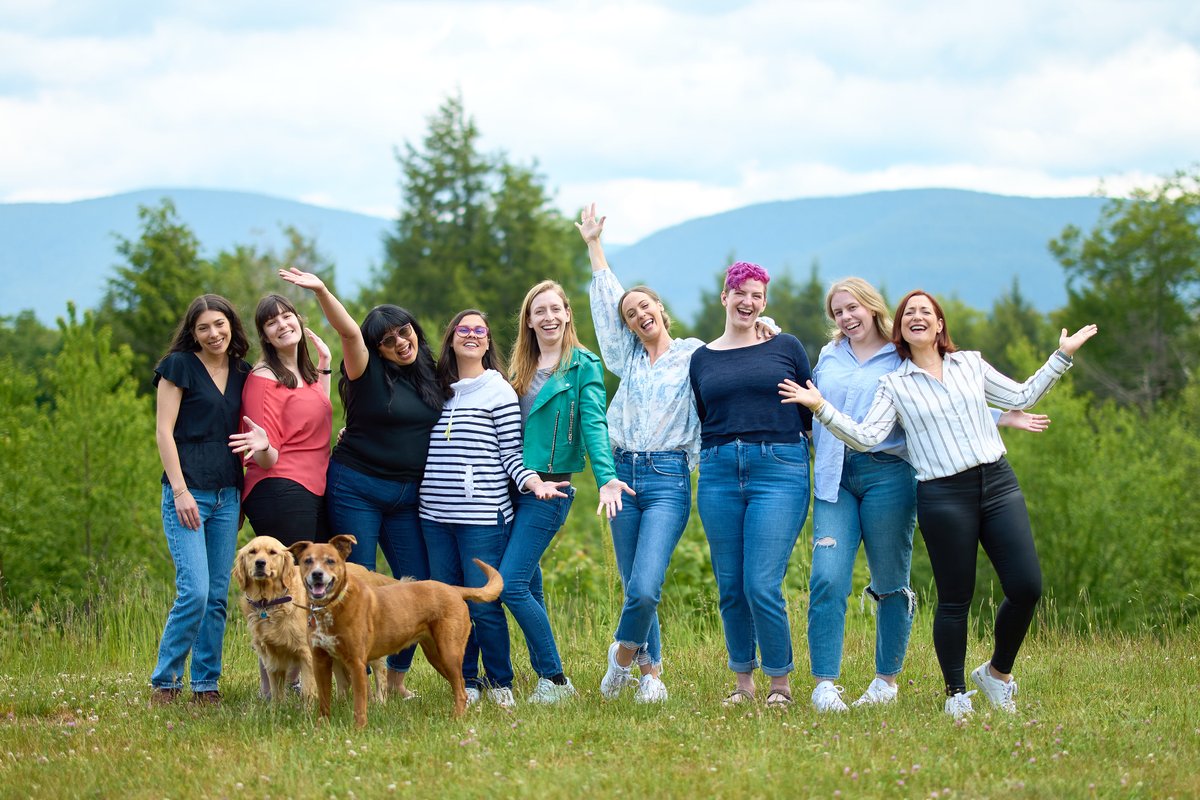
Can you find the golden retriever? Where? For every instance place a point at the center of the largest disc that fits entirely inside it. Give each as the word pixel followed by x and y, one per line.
pixel 273 602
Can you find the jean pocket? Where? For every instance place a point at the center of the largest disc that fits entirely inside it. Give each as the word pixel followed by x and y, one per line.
pixel 670 468
pixel 708 454
pixel 792 455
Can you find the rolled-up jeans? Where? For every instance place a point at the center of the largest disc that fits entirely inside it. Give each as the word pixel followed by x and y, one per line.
pixel 753 500
pixel 645 533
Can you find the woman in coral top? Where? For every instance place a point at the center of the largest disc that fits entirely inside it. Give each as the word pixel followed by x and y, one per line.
pixel 284 494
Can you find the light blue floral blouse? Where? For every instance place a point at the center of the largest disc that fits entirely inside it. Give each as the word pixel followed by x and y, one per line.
pixel 654 408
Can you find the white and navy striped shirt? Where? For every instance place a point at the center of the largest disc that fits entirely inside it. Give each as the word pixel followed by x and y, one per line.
pixel 947 423
pixel 474 450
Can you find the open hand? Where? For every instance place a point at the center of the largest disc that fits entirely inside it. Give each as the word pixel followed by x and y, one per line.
pixel 1024 421
pixel 546 490
pixel 793 392
pixel 1069 344
pixel 610 497
pixel 589 226
pixel 305 280
pixel 253 441
pixel 323 354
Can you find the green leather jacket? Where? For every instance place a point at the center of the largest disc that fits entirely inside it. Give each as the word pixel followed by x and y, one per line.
pixel 567 420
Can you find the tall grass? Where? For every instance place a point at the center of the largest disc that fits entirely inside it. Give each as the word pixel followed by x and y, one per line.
pixel 1101 715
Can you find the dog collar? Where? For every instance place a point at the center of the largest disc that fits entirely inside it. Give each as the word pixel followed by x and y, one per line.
pixel 262 605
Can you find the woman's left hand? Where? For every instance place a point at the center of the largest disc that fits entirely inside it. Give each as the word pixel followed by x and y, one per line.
pixel 546 490
pixel 610 496
pixel 323 354
pixel 792 392
pixel 1069 344
pixel 251 442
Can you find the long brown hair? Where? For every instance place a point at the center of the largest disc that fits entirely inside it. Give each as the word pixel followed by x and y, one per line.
pixel 447 363
pixel 944 343
pixel 270 307
pixel 184 340
pixel 525 350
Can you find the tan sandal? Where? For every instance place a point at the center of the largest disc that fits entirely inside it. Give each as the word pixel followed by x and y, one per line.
pixel 778 698
pixel 737 697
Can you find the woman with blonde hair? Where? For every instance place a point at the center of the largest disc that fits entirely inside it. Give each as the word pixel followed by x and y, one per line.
pixel 560 387
pixel 867 498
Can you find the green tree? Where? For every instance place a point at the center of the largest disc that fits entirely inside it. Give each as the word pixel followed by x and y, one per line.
pixel 1137 274
pixel 474 231
pixel 1012 322
pixel 85 495
pixel 146 298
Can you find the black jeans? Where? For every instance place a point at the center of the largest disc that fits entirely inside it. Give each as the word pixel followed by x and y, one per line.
pixel 282 508
pixel 981 506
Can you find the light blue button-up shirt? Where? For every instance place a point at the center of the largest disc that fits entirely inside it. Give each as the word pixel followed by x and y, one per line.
pixel 850 386
pixel 654 408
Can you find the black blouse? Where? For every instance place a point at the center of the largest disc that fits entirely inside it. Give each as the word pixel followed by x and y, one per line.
pixel 206 420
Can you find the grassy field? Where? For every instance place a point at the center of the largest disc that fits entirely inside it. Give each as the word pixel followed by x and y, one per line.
pixel 1100 716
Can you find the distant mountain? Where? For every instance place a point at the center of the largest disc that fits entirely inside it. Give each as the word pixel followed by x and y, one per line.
pixel 54 252
pixel 948 241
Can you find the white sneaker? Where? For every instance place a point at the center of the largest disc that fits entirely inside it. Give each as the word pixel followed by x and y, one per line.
pixel 472 695
pixel 651 690
pixel 502 696
pixel 959 705
pixel 828 697
pixel 880 692
pixel 547 692
pixel 1001 693
pixel 617 677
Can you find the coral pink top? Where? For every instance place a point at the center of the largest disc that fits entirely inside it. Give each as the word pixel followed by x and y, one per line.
pixel 298 423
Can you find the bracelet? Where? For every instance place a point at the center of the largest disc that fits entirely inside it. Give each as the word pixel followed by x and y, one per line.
pixel 177 494
pixel 324 371
pixel 817 411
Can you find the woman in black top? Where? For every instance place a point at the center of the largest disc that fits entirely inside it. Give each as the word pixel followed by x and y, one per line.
pixel 392 399
pixel 199 383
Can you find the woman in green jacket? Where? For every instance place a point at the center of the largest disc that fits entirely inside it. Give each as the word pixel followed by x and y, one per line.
pixel 560 387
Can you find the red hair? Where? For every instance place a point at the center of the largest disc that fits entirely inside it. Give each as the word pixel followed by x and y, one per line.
pixel 944 343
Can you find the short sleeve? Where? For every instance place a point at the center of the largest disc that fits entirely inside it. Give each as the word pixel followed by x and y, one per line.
pixel 174 367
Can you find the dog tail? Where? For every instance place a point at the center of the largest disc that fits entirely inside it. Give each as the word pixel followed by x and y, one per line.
pixel 489 591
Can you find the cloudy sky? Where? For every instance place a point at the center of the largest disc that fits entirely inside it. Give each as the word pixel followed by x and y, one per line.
pixel 660 111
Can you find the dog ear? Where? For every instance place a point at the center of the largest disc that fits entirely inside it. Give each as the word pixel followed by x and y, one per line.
pixel 288 572
pixel 297 549
pixel 239 570
pixel 344 543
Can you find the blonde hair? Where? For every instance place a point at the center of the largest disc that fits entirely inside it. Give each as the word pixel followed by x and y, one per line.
pixel 868 297
pixel 525 351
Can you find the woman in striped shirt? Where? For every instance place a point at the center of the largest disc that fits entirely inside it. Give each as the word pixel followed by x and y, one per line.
pixel 474 449
pixel 967 494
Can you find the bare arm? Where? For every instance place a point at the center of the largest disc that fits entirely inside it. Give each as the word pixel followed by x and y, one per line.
pixel 590 227
pixel 168 400
pixel 354 349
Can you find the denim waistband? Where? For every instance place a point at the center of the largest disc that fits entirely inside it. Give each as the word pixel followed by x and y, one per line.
pixel 632 456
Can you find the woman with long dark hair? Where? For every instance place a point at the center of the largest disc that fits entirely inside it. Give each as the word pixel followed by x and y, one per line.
pixel 284 494
pixel 198 412
pixel 392 399
pixel 967 494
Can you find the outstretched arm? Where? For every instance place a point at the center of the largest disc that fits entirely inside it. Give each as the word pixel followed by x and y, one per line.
pixel 354 349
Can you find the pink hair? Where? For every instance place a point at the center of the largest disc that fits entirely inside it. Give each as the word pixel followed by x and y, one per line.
pixel 743 271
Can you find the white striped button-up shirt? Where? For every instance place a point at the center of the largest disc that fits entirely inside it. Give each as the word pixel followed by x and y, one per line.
pixel 947 423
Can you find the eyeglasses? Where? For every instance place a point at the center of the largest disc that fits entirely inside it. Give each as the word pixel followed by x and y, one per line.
pixel 395 336
pixel 464 331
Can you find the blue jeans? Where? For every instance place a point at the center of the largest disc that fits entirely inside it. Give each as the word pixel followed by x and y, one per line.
pixel 379 513
pixel 533 528
pixel 451 548
pixel 645 532
pixel 203 562
pixel 877 506
pixel 753 499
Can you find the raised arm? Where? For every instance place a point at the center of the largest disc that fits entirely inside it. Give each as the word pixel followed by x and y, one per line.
pixel 617 342
pixel 354 349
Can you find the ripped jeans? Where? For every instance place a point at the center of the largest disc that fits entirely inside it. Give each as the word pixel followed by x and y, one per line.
pixel 876 505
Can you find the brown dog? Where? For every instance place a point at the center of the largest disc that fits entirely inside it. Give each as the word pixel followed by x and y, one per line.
pixel 354 622
pixel 273 600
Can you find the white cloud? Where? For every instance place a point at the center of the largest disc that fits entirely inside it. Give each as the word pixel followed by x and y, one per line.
pixel 659 112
